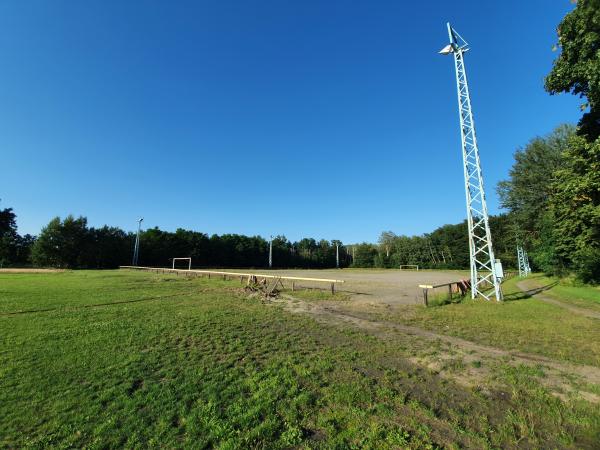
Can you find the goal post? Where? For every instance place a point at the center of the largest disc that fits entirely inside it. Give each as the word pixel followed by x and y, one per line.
pixel 189 260
pixel 409 267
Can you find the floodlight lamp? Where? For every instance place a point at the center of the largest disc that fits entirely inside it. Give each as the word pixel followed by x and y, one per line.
pixel 447 50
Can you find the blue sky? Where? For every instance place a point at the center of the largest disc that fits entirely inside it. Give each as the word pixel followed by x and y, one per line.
pixel 334 120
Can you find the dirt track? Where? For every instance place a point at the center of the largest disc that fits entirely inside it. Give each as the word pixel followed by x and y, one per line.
pixel 30 270
pixel 393 287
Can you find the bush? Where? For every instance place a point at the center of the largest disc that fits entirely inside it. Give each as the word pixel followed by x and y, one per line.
pixel 587 265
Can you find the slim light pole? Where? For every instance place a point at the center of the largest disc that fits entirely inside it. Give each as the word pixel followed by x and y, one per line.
pixel 337 256
pixel 136 248
pixel 271 252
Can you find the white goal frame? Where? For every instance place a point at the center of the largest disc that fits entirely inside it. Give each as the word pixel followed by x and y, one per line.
pixel 183 259
pixel 409 267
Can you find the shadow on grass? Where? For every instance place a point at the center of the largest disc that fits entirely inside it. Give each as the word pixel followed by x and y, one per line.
pixel 443 299
pixel 94 305
pixel 522 295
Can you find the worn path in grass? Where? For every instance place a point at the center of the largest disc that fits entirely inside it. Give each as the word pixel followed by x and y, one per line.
pixel 454 349
pixel 536 289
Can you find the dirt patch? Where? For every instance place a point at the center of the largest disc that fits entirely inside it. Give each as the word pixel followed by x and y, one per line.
pixel 465 362
pixel 30 270
pixel 372 286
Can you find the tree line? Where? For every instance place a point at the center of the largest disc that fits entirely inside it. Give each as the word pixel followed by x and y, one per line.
pixel 446 247
pixel 71 243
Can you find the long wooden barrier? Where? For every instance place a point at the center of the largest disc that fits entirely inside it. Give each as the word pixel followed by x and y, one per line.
pixel 462 286
pixel 236 274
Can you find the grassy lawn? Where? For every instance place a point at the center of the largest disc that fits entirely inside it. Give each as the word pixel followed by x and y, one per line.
pixel 520 323
pixel 127 359
pixel 568 291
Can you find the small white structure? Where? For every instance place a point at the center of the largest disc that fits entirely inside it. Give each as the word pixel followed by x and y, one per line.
pixel 183 259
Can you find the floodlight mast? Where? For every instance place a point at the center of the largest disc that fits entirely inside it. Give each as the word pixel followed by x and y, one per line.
pixel 136 247
pixel 523 259
pixel 483 264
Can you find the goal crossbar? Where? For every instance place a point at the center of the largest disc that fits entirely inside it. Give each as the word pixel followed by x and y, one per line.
pixel 189 260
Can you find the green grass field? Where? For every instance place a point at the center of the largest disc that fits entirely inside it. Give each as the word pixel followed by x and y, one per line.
pixel 519 323
pixel 127 359
pixel 567 290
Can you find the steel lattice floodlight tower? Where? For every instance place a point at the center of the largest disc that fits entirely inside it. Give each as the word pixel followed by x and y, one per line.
pixel 524 268
pixel 483 265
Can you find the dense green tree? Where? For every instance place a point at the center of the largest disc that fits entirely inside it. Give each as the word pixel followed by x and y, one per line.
pixel 22 250
pixel 14 248
pixel 527 196
pixel 451 243
pixel 108 247
pixel 8 235
pixel 364 255
pixel 577 68
pixel 576 209
pixel 576 198
pixel 63 243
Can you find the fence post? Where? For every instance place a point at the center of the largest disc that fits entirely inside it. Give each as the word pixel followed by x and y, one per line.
pixel 425 296
pixel 450 290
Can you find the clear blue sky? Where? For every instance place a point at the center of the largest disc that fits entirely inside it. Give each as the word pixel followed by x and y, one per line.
pixel 327 119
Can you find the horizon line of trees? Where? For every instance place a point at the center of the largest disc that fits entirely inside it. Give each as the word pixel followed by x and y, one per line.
pixel 71 243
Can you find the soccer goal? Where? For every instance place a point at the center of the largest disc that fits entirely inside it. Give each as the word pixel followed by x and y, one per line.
pixel 409 267
pixel 189 260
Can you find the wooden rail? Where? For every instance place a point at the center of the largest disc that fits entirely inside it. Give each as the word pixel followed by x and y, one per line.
pixel 462 286
pixel 250 276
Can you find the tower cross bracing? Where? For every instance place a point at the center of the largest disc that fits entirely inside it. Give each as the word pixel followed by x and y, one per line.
pixel 484 279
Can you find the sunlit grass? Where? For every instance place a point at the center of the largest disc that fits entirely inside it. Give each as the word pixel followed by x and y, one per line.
pixel 521 322
pixel 125 359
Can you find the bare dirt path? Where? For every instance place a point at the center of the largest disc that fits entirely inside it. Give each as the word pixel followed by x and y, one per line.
pixel 529 285
pixel 437 351
pixel 30 270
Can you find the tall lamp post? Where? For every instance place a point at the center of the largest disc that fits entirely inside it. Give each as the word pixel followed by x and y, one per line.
pixel 337 255
pixel 271 252
pixel 136 248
